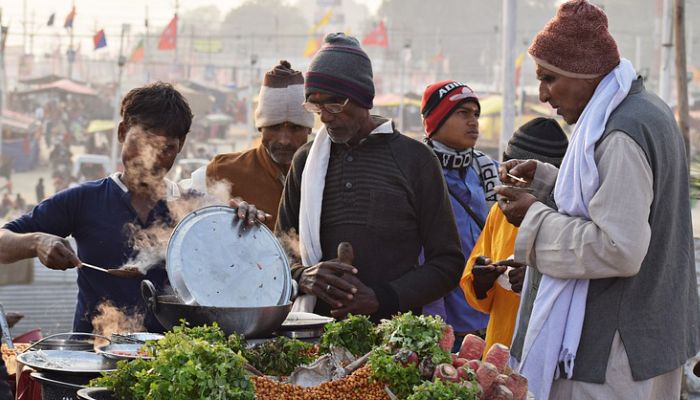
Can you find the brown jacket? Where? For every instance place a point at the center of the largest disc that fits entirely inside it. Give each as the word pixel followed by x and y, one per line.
pixel 253 176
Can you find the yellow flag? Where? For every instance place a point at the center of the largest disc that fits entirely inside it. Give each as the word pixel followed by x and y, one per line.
pixel 322 22
pixel 519 60
pixel 311 47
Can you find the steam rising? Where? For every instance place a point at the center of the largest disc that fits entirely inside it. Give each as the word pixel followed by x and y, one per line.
pixel 111 319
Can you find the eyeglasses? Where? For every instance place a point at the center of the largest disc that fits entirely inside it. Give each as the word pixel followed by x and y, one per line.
pixel 333 108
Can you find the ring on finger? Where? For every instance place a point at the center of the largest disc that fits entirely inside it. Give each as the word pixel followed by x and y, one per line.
pixel 328 288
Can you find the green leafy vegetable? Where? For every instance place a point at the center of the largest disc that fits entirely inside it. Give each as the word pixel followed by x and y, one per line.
pixel 400 379
pixel 441 390
pixel 281 356
pixel 190 363
pixel 418 333
pixel 356 333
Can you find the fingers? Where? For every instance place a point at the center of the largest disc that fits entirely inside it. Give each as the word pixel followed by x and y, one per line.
pixel 516 277
pixel 61 256
pixel 341 313
pixel 510 263
pixel 338 268
pixel 340 285
pixel 247 212
pixel 331 294
pixel 505 168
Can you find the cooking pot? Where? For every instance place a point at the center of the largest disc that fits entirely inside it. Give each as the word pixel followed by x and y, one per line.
pixel 96 393
pixel 72 343
pixel 252 322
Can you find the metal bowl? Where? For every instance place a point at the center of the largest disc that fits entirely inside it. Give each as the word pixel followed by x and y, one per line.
pixel 252 322
pixel 96 393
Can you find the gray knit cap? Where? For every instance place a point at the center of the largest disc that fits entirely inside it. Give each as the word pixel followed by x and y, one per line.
pixel 341 67
pixel 541 139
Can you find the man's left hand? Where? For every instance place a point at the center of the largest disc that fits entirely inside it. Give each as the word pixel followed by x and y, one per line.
pixel 247 212
pixel 514 202
pixel 364 301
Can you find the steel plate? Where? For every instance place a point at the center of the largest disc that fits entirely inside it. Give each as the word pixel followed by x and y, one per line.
pixel 212 261
pixel 122 351
pixel 66 361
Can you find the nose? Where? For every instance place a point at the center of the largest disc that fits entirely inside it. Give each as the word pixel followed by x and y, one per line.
pixel 326 117
pixel 544 93
pixel 284 136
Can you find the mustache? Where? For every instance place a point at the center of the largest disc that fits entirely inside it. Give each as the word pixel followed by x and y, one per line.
pixel 283 148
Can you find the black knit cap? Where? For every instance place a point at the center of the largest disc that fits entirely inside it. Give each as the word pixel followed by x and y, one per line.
pixel 541 139
pixel 341 67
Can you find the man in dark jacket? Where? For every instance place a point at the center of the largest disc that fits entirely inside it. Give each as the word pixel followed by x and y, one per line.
pixel 363 182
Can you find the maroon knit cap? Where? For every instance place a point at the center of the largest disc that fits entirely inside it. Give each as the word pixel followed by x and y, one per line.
pixel 576 42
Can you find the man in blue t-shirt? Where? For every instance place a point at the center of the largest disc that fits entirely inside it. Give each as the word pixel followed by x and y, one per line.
pixel 103 215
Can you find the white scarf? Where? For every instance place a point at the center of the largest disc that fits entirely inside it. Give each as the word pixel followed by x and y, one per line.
pixel 313 181
pixel 554 330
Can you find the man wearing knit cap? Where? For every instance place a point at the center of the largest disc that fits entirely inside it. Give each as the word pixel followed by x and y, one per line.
pixel 363 182
pixel 450 113
pixel 257 175
pixel 616 313
pixel 493 285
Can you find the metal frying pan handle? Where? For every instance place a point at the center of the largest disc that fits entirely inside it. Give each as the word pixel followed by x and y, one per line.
pixel 148 292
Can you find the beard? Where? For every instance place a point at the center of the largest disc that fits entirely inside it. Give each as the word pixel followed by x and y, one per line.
pixel 281 154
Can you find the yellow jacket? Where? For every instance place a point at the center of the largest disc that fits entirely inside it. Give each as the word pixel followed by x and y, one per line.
pixel 497 242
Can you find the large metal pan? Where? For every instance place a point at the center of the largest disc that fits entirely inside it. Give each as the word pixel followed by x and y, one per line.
pixel 253 322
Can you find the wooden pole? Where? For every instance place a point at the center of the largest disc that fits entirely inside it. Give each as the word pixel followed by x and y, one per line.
pixel 681 74
pixel 508 73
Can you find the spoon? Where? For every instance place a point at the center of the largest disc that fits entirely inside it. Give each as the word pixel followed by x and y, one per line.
pixel 128 272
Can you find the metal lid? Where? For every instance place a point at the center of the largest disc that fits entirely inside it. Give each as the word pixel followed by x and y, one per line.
pixel 213 261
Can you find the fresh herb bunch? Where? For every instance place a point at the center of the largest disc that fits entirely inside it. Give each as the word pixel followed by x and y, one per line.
pixel 356 333
pixel 121 380
pixel 442 390
pixel 190 363
pixel 400 379
pixel 279 357
pixel 418 333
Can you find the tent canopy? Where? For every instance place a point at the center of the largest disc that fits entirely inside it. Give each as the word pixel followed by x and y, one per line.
pixel 100 125
pixel 65 86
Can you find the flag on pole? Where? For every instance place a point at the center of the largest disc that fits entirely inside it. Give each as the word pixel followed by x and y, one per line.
pixel 69 19
pixel 377 37
pixel 99 39
pixel 52 17
pixel 518 68
pixel 312 46
pixel 168 39
pixel 139 53
pixel 325 19
pixel 4 31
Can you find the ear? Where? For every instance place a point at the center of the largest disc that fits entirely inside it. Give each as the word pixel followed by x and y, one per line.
pixel 121 132
pixel 182 144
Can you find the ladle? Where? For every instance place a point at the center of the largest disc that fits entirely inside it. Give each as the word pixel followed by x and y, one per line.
pixel 129 272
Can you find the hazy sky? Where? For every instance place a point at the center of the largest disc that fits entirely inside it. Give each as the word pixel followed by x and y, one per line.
pixel 103 14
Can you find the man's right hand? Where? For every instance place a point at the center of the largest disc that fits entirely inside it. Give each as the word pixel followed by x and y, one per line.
pixel 56 252
pixel 485 276
pixel 524 169
pixel 325 281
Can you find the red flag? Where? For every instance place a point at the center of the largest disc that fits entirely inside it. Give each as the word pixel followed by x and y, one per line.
pixel 139 52
pixel 168 39
pixel 377 37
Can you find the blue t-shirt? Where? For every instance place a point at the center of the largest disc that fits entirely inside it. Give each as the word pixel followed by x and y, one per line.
pixel 96 214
